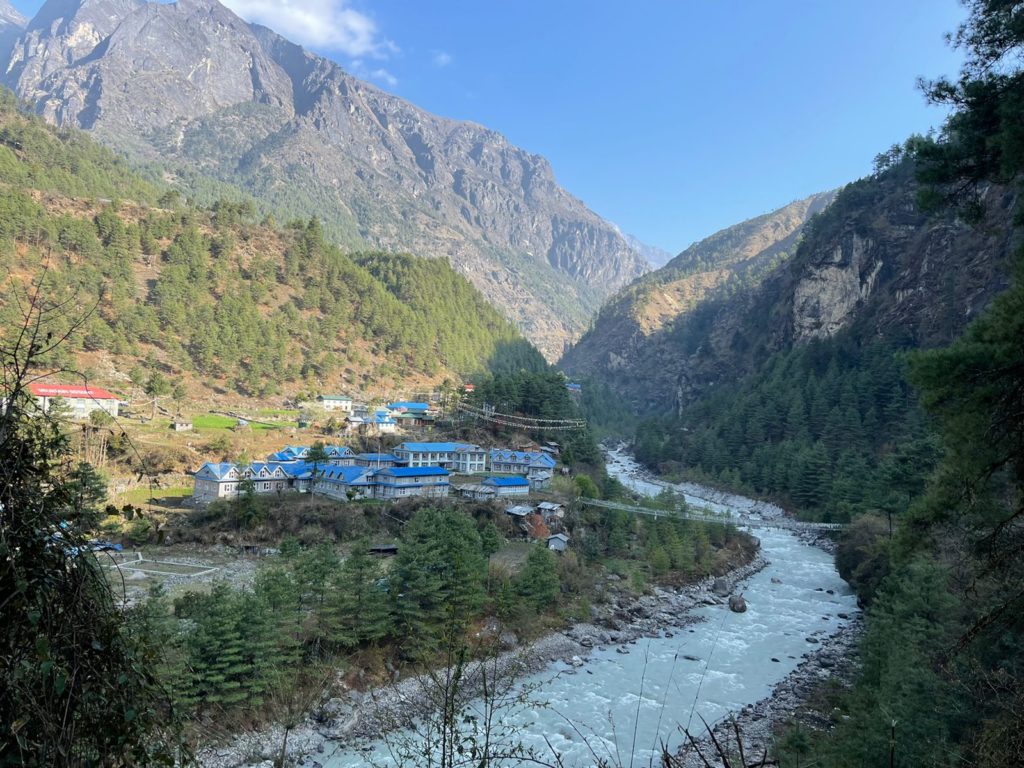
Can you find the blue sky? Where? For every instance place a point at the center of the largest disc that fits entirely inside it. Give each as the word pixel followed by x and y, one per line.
pixel 671 118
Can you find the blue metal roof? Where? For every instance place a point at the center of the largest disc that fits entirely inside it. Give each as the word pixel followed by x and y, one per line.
pixel 219 469
pixel 413 472
pixel 409 406
pixel 431 447
pixel 506 482
pixel 377 457
pixel 299 469
pixel 410 485
pixel 346 475
pixel 530 458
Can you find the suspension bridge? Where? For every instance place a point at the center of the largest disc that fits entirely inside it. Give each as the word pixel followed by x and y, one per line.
pixel 528 423
pixel 705 515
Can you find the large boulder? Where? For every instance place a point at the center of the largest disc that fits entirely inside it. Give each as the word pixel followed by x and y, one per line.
pixel 721 587
pixel 737 604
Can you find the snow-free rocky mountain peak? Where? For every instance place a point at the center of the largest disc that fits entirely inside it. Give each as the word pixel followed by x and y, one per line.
pixel 195 87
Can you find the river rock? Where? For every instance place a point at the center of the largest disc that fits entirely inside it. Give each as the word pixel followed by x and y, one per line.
pixel 721 587
pixel 737 604
pixel 776 580
pixel 508 639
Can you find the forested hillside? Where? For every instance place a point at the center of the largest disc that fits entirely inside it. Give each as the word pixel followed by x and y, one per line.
pixel 218 296
pixel 795 389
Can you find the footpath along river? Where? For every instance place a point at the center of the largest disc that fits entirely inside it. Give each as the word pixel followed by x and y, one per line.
pixel 627 703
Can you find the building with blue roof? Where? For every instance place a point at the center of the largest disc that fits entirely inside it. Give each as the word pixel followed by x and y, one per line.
pixel 340 455
pixel 214 481
pixel 380 423
pixel 528 463
pixel 370 475
pixel 403 482
pixel 376 460
pixel 407 407
pixel 507 486
pixel 344 483
pixel 459 457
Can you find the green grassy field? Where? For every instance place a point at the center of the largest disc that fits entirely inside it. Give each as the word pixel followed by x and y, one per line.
pixel 212 421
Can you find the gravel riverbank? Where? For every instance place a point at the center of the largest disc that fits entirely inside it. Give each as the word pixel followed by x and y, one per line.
pixel 356 717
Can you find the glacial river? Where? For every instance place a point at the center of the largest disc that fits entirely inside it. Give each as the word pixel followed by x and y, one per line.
pixel 628 703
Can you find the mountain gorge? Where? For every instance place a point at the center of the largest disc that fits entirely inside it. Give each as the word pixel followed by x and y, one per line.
pixel 195 89
pixel 633 344
pixel 868 261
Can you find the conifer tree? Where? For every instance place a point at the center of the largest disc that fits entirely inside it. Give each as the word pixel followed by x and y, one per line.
pixel 359 612
pixel 537 583
pixel 438 577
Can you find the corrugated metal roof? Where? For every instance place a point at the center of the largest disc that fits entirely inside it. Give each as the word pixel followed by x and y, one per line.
pixel 40 389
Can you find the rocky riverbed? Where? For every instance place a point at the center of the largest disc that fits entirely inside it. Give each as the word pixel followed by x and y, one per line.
pixel 355 717
pixel 792 700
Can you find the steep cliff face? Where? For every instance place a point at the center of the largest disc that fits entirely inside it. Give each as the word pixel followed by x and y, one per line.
pixel 193 84
pixel 878 264
pixel 633 345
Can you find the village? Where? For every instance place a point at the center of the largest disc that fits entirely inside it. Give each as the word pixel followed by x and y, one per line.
pixel 411 469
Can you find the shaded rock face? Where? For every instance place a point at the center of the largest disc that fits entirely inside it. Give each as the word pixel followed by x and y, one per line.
pixel 826 297
pixel 192 83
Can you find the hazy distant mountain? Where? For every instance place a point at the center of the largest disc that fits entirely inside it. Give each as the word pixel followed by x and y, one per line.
pixel 191 84
pixel 652 254
pixel 11 25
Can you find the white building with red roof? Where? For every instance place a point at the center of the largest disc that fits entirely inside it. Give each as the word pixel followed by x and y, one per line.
pixel 80 399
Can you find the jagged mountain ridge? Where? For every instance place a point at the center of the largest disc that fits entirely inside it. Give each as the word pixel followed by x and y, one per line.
pixel 626 346
pixel 192 84
pixel 872 263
